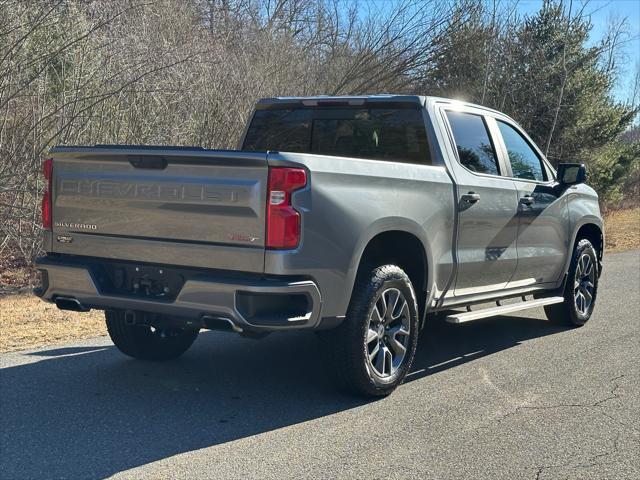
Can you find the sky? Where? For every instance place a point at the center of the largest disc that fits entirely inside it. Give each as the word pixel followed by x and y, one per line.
pixel 602 12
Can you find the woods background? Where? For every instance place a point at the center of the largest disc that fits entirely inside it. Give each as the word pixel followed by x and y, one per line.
pixel 187 72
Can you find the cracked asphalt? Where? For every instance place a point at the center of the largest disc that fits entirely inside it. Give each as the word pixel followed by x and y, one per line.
pixel 502 398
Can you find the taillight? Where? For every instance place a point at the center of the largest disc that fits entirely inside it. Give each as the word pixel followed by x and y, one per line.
pixel 47 170
pixel 283 221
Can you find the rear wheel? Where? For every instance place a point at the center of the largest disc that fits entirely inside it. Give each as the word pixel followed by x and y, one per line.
pixel 146 342
pixel 580 290
pixel 371 352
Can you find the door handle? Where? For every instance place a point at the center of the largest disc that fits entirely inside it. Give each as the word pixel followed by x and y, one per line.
pixel 527 200
pixel 470 197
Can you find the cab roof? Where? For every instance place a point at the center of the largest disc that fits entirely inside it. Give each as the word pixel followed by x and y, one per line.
pixel 357 100
pixel 326 100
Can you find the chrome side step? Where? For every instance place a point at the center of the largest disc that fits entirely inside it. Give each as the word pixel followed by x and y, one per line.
pixel 504 309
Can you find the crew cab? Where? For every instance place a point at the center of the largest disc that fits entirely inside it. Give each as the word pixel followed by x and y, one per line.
pixel 356 217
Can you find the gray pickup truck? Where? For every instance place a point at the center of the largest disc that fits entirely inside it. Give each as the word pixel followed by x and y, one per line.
pixel 356 217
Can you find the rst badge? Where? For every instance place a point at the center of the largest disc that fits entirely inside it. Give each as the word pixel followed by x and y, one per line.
pixel 240 237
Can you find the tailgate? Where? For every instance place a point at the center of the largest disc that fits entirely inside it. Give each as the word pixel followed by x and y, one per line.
pixel 172 206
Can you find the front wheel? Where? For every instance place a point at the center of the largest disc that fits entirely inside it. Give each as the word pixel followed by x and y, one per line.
pixel 580 290
pixel 146 342
pixel 371 352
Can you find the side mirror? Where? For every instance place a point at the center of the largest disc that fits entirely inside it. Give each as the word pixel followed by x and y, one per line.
pixel 571 173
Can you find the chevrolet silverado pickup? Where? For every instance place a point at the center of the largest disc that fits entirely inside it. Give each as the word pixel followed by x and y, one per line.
pixel 356 217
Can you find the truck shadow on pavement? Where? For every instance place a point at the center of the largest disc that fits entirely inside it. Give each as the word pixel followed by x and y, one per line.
pixel 90 412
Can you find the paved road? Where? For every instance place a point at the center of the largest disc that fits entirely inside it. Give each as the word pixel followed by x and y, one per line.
pixel 509 397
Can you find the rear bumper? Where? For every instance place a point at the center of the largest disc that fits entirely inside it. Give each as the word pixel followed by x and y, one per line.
pixel 251 304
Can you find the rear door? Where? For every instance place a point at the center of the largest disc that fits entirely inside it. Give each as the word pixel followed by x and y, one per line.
pixel 543 223
pixel 487 202
pixel 176 206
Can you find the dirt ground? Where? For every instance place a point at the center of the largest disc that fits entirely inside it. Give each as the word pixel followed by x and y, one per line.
pixel 622 230
pixel 27 322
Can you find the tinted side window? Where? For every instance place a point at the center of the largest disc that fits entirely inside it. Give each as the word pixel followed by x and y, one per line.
pixel 281 130
pixel 525 162
pixel 379 133
pixel 473 143
pixel 393 134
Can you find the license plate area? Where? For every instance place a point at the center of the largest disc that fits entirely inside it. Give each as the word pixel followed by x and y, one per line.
pixel 147 281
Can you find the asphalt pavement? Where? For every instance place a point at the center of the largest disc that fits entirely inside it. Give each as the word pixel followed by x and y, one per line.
pixel 501 398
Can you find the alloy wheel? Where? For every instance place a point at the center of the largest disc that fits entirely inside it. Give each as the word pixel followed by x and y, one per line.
pixel 387 333
pixel 584 284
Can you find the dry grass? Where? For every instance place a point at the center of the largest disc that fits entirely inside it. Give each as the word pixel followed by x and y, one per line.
pixel 28 322
pixel 622 229
pixel 15 273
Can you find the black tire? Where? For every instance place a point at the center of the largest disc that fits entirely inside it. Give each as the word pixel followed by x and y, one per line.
pixel 569 313
pixel 145 343
pixel 348 348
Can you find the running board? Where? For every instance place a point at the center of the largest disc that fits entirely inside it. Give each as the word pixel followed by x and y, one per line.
pixel 502 310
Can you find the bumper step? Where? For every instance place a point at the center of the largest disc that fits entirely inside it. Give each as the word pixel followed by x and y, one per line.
pixel 502 310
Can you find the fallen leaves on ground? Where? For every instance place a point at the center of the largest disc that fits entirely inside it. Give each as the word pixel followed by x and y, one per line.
pixel 28 322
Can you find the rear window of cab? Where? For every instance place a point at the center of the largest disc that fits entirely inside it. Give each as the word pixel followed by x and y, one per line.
pixel 392 134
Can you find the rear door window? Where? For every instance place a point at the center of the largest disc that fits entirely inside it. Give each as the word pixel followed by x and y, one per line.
pixel 475 150
pixel 393 134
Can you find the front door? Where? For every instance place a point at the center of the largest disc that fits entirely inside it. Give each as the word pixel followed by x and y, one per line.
pixel 488 208
pixel 543 223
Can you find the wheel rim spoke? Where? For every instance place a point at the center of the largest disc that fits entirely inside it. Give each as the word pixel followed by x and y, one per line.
pixel 403 310
pixel 579 302
pixel 588 268
pixel 382 311
pixel 375 315
pixel 397 346
pixel 374 352
pixel 400 330
pixel 583 303
pixel 579 268
pixel 388 360
pixel 392 301
pixel 371 335
pixel 380 361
